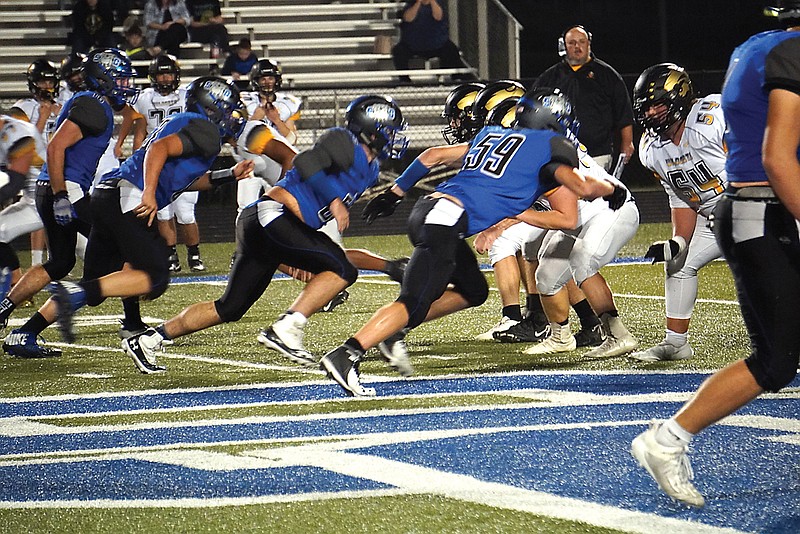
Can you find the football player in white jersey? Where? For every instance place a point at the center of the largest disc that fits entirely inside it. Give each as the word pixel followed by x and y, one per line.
pixel 40 109
pixel 20 146
pixel 567 255
pixel 683 145
pixel 163 98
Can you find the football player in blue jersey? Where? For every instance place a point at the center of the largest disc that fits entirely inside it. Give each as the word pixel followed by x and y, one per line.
pixel 756 226
pixel 503 172
pixel 175 157
pixel 83 130
pixel 280 228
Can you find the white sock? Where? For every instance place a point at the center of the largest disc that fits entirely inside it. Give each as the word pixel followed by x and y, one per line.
pixel 675 339
pixel 671 434
pixel 37 257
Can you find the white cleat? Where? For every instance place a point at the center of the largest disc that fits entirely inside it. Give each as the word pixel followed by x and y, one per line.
pixel 669 467
pixel 664 352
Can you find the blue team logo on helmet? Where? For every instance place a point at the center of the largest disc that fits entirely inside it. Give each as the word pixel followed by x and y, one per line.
pixel 109 72
pixel 378 123
pixel 218 100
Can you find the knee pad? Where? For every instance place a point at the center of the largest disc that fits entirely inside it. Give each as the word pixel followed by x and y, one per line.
pixel 227 312
pixel 184 210
pixel 60 267
pixel 8 258
pixel 158 284
pixel 773 378
pixel 416 308
pixel 475 294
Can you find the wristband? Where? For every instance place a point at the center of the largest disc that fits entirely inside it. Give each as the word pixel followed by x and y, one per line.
pixel 411 175
pixel 222 176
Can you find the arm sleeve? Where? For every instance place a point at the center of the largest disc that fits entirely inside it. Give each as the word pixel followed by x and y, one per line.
pixel 333 152
pixel 200 138
pixel 562 152
pixel 782 67
pixel 88 114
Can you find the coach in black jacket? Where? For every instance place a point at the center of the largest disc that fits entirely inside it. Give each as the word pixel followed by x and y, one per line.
pixel 601 100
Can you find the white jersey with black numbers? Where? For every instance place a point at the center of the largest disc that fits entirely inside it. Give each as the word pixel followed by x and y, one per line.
pixel 692 173
pixel 155 107
pixel 288 105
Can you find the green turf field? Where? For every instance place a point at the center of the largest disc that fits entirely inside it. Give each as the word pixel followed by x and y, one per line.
pixel 228 355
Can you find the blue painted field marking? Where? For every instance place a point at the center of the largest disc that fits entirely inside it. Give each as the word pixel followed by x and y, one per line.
pixel 585 382
pixel 750 480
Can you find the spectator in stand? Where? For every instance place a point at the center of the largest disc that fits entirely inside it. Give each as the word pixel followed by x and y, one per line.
pixel 92 25
pixel 424 33
pixel 166 22
pixel 601 100
pixel 239 63
pixel 135 46
pixel 206 25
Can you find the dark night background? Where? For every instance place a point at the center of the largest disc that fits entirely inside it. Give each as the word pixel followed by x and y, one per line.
pixel 633 34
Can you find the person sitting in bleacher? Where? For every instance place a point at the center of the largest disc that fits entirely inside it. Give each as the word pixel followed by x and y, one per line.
pixel 206 25
pixel 166 22
pixel 424 33
pixel 240 62
pixel 92 25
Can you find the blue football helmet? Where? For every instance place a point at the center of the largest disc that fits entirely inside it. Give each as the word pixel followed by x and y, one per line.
pixel 218 100
pixel 378 123
pixel 547 109
pixel 109 72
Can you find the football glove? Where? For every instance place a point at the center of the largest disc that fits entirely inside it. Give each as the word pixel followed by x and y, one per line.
pixel 382 205
pixel 666 250
pixel 63 211
pixel 617 198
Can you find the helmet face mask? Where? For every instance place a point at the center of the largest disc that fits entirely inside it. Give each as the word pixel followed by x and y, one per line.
pixel 266 78
pixel 43 80
pixel 377 122
pixel 71 71
pixel 547 109
pixel 218 100
pixel 461 125
pixel 161 65
pixel 109 72
pixel 662 97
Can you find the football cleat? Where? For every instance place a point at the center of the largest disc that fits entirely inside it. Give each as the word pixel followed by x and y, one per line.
pixel 669 467
pixel 664 352
pixel 395 352
pixel 338 300
pixel 526 331
pixel 504 324
pixel 590 337
pixel 174 263
pixel 196 264
pixel 69 298
pixel 342 365
pixel 27 345
pixel 286 336
pixel 142 348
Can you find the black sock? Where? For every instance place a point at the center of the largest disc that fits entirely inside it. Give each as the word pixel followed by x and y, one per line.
pixel 533 303
pixel 354 344
pixel 193 250
pixel 586 314
pixel 513 312
pixel 36 324
pixel 133 315
pixel 6 308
